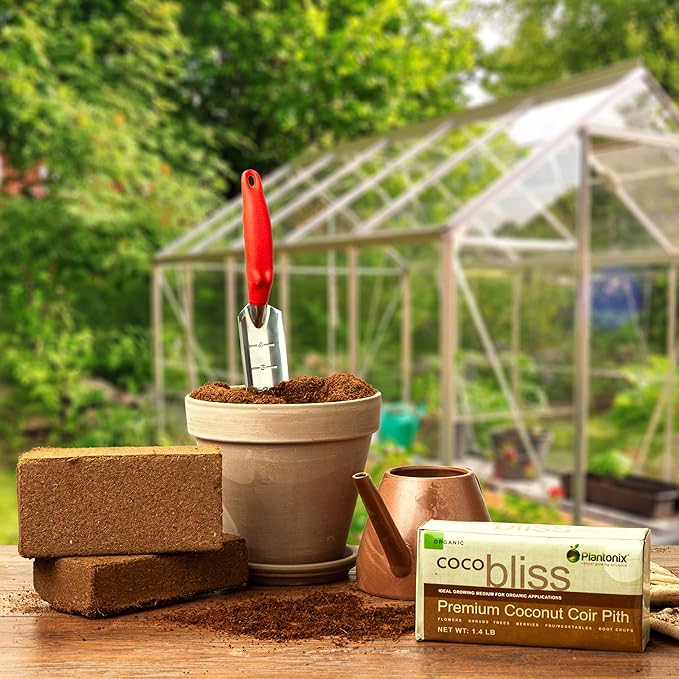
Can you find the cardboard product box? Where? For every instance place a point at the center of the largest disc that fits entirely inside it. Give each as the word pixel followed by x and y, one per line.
pixel 533 585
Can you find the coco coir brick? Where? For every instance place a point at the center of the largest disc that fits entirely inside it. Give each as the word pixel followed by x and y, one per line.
pixel 96 586
pixel 533 585
pixel 103 501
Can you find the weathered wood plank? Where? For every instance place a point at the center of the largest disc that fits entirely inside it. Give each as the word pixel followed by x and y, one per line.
pixel 48 643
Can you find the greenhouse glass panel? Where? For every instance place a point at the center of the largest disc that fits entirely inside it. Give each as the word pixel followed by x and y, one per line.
pixel 495 264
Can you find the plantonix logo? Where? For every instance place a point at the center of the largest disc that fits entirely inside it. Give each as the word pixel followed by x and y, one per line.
pixel 573 555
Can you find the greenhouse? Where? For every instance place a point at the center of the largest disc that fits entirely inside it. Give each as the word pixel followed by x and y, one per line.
pixel 513 263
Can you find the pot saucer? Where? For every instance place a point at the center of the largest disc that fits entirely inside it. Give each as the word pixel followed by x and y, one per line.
pixel 303 573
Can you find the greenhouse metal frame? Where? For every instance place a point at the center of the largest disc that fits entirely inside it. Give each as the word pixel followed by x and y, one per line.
pixel 615 125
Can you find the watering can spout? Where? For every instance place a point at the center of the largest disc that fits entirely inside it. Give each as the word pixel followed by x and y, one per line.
pixel 395 547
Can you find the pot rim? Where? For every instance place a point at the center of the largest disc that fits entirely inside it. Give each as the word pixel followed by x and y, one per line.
pixel 277 423
pixel 457 471
pixel 280 406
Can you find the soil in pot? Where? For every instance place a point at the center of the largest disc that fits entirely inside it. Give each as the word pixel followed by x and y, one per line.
pixel 335 387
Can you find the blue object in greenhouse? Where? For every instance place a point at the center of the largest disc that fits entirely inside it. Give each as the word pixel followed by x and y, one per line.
pixel 616 298
pixel 399 423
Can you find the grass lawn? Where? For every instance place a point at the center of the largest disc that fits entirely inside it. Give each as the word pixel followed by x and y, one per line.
pixel 8 508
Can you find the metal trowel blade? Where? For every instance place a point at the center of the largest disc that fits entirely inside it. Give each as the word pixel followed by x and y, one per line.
pixel 263 349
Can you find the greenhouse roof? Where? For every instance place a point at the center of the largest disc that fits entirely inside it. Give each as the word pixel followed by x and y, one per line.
pixel 491 174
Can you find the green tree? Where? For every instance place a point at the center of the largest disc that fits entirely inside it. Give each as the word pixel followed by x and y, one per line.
pixel 132 113
pixel 549 39
pixel 88 93
pixel 272 77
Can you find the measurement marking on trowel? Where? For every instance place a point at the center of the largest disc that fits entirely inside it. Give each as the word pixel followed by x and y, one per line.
pixel 267 367
pixel 263 344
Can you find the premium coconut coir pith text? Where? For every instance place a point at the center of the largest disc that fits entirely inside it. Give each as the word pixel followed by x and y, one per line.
pixel 534 585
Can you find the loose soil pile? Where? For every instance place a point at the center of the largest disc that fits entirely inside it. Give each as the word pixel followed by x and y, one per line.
pixel 342 616
pixel 23 602
pixel 335 387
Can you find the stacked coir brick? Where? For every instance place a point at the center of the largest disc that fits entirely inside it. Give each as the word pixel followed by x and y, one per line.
pixel 118 529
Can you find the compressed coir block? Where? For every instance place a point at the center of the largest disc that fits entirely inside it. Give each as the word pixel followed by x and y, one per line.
pixel 105 585
pixel 102 501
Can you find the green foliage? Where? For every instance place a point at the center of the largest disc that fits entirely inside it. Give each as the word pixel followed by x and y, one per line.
pixel 114 425
pixel 633 405
pixel 615 434
pixel 124 356
pixel 90 88
pixel 8 508
pixel 480 391
pixel 273 77
pixel 554 38
pixel 631 410
pixel 88 92
pixel 611 463
pixel 516 509
pixel 136 111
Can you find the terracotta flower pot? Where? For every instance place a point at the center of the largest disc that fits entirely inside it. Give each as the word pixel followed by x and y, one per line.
pixel 286 472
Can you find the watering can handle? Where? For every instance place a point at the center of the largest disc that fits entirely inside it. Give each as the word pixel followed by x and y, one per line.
pixel 257 238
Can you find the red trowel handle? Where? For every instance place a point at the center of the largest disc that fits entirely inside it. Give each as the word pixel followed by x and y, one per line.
pixel 258 241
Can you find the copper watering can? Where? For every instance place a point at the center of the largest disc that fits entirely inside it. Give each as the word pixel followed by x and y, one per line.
pixel 407 497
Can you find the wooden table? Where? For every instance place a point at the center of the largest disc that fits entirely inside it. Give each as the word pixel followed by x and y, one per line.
pixel 44 642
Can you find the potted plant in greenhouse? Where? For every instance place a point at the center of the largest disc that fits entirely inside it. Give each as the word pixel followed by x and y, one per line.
pixel 481 394
pixel 511 457
pixel 609 482
pixel 512 460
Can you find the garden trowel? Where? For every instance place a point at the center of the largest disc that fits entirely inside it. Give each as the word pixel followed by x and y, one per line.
pixel 260 326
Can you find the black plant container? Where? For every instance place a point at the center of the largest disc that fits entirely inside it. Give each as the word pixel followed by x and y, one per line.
pixel 633 494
